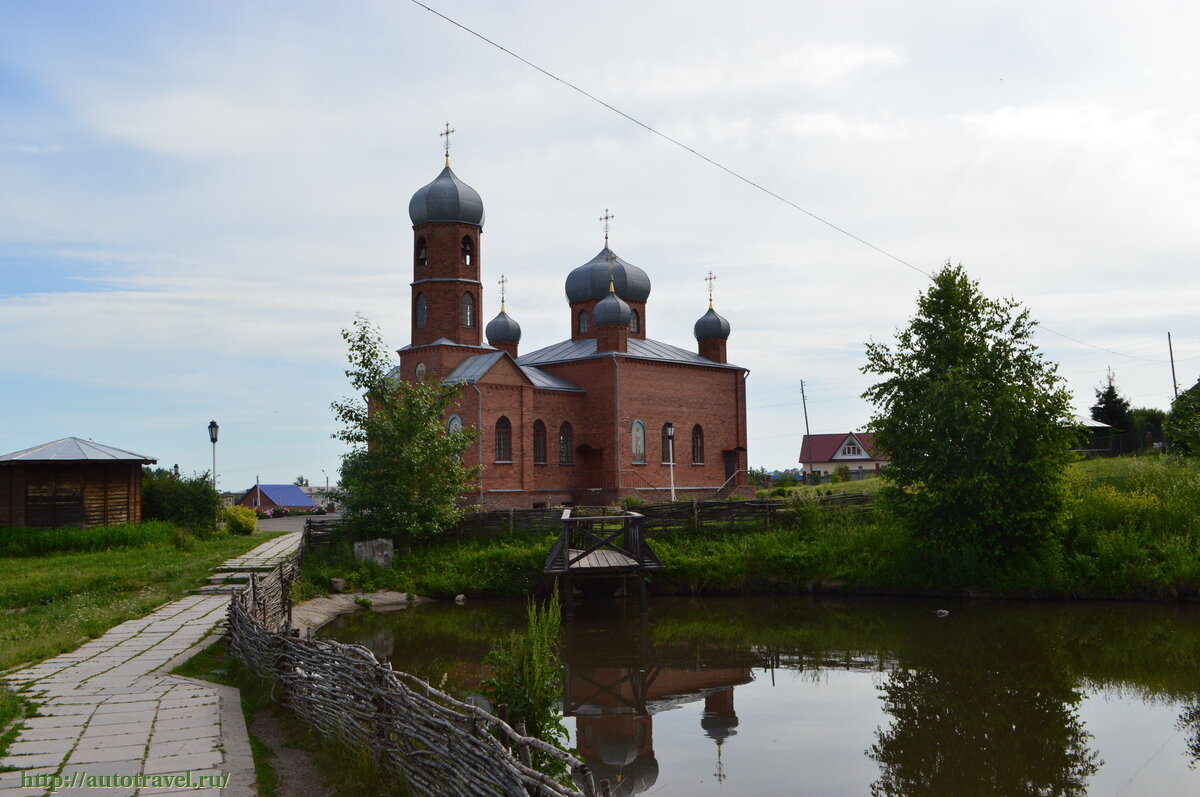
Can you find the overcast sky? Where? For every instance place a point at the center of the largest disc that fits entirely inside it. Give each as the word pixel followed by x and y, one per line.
pixel 195 197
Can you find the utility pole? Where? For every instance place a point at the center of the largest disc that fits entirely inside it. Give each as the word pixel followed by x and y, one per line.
pixel 804 403
pixel 1171 349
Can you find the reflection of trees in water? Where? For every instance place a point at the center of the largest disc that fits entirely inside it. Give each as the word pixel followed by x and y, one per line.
pixel 972 729
pixel 1189 720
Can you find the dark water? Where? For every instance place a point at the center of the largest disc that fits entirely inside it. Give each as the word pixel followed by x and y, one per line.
pixel 799 696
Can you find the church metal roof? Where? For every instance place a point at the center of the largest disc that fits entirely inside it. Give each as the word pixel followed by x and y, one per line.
pixel 642 349
pixel 445 342
pixel 74 449
pixel 473 368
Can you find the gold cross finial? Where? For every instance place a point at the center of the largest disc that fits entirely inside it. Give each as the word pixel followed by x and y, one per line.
pixel 503 284
pixel 710 279
pixel 606 218
pixel 446 135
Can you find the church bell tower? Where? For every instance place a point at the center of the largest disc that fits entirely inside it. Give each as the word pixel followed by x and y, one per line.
pixel 447 296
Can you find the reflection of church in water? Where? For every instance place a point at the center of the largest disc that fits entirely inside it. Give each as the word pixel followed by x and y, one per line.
pixel 613 691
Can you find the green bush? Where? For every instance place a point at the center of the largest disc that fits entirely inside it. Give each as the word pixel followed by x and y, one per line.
pixel 240 520
pixel 632 501
pixel 188 502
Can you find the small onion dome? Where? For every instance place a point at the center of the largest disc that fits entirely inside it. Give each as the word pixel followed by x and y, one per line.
pixel 591 280
pixel 711 327
pixel 447 198
pixel 611 310
pixel 503 329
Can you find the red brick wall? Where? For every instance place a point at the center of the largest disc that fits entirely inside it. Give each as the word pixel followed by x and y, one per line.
pixel 443 280
pixel 588 306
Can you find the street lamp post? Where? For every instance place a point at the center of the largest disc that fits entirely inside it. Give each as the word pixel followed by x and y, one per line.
pixel 671 451
pixel 212 435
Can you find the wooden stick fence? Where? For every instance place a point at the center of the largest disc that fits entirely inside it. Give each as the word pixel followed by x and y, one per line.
pixel 436 744
pixel 677 516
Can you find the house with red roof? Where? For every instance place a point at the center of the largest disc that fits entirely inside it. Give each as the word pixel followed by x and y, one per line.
pixel 823 454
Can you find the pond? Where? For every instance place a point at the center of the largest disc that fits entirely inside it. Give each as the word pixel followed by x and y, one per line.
pixel 849 696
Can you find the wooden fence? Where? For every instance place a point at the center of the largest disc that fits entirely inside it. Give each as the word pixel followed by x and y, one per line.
pixel 678 516
pixel 436 744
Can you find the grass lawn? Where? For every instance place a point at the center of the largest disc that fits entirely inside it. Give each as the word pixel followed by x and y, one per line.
pixel 868 485
pixel 53 603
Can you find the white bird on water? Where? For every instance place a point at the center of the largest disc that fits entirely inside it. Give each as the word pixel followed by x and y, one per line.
pixel 941 613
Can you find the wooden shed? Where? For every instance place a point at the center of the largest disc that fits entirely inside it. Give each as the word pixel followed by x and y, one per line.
pixel 71 482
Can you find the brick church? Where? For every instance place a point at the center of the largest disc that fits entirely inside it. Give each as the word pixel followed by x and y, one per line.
pixel 599 416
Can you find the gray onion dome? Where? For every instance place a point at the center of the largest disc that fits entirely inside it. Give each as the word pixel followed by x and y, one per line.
pixel 590 281
pixel 711 326
pixel 447 198
pixel 719 726
pixel 503 329
pixel 611 310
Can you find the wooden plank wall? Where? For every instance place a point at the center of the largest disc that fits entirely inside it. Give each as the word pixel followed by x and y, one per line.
pixel 70 494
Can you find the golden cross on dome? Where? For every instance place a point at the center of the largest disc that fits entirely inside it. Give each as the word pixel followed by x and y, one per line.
pixel 710 279
pixel 606 218
pixel 446 135
pixel 503 284
pixel 612 264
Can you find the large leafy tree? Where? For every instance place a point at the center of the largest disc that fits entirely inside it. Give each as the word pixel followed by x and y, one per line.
pixel 1182 426
pixel 975 421
pixel 1111 407
pixel 404 470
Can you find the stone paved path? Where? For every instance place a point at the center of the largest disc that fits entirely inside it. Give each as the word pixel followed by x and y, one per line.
pixel 110 708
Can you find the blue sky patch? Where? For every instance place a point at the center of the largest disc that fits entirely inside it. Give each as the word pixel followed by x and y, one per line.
pixel 22 274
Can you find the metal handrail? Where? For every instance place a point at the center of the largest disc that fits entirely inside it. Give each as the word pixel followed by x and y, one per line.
pixel 725 483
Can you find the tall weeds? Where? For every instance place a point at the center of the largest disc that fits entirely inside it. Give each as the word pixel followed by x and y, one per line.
pixel 528 678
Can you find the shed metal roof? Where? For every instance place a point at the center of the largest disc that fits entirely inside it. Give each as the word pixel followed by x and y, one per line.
pixel 642 349
pixel 74 449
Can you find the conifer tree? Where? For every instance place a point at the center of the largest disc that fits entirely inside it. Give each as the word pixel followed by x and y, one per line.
pixel 1111 408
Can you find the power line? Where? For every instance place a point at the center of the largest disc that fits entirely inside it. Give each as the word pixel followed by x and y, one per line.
pixel 674 141
pixel 723 167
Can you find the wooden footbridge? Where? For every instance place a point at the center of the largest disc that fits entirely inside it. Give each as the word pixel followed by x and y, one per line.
pixel 605 544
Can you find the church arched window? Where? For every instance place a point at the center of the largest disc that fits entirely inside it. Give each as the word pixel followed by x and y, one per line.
pixel 635 321
pixel 697 445
pixel 468 310
pixel 419 311
pixel 468 250
pixel 503 440
pixel 422 252
pixel 668 442
pixel 539 443
pixel 583 321
pixel 566 444
pixel 638 442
